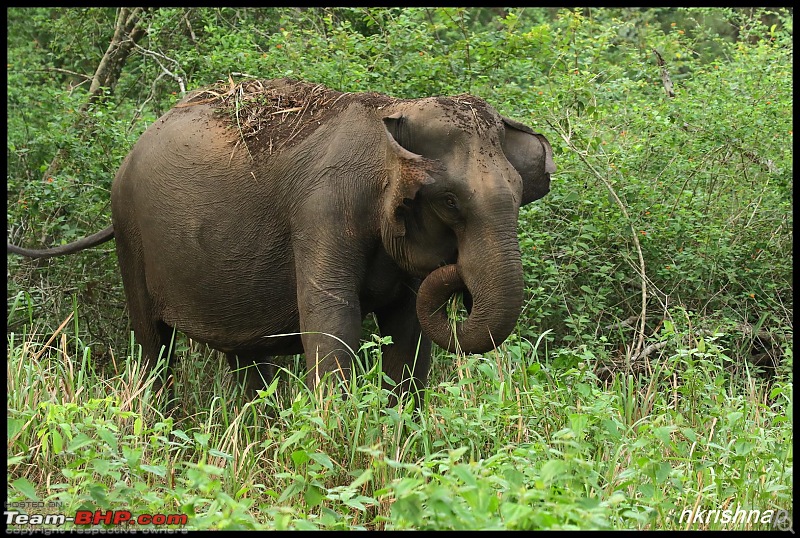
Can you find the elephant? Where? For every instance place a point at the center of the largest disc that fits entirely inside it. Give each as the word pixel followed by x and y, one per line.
pixel 270 217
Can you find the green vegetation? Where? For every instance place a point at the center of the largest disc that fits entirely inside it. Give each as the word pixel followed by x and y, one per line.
pixel 651 369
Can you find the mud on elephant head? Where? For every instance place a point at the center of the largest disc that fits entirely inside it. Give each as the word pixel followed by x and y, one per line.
pixel 282 207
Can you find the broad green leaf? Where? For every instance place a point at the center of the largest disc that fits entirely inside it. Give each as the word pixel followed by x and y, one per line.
pixel 24 486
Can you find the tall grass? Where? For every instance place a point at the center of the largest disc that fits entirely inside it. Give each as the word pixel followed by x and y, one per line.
pixel 520 438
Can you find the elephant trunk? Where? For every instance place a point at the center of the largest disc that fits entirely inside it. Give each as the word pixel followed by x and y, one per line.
pixel 493 278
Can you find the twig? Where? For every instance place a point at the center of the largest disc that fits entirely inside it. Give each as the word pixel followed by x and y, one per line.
pixel 662 67
pixel 649 350
pixel 149 98
pixel 286 110
pixel 629 322
pixel 156 55
pixel 238 101
pixel 65 71
pixel 189 26
pixel 49 341
pixel 637 245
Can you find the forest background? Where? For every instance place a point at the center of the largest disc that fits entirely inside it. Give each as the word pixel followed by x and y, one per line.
pixel 650 371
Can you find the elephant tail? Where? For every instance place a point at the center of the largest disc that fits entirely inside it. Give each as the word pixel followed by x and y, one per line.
pixel 71 248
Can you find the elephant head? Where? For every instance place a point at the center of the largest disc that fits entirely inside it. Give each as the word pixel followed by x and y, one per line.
pixel 459 173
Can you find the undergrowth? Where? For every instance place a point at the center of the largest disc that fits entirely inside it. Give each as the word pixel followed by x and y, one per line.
pixel 503 441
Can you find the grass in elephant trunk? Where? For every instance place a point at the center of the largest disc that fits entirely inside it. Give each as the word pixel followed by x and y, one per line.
pixel 458 309
pixel 519 438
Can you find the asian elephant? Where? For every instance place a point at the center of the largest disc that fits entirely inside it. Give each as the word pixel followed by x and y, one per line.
pixel 279 207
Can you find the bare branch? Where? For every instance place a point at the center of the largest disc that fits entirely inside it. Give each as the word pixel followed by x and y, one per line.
pixel 189 26
pixel 629 322
pixel 665 80
pixel 65 71
pixel 642 274
pixel 149 98
pixel 238 74
pixel 646 352
pixel 156 55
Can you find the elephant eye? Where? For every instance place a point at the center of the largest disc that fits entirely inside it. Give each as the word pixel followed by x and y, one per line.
pixel 451 202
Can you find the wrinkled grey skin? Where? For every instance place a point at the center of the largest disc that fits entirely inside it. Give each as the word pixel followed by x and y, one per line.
pixel 231 245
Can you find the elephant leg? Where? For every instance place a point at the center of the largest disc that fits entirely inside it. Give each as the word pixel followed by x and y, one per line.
pixel 407 361
pixel 328 348
pixel 155 336
pixel 253 370
pixel 330 324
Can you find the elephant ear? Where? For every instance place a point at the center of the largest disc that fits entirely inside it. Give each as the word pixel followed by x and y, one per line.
pixel 408 172
pixel 530 153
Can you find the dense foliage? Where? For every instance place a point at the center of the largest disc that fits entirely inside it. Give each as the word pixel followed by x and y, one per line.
pixel 665 247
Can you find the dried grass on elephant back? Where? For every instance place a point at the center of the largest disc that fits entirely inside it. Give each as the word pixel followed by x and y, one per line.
pixel 273 114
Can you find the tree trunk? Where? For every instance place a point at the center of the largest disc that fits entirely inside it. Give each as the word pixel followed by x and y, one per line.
pixel 127 31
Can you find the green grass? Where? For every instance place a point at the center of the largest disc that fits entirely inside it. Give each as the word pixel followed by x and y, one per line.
pixel 508 440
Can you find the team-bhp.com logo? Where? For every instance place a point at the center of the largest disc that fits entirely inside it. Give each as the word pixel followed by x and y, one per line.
pixel 86 518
